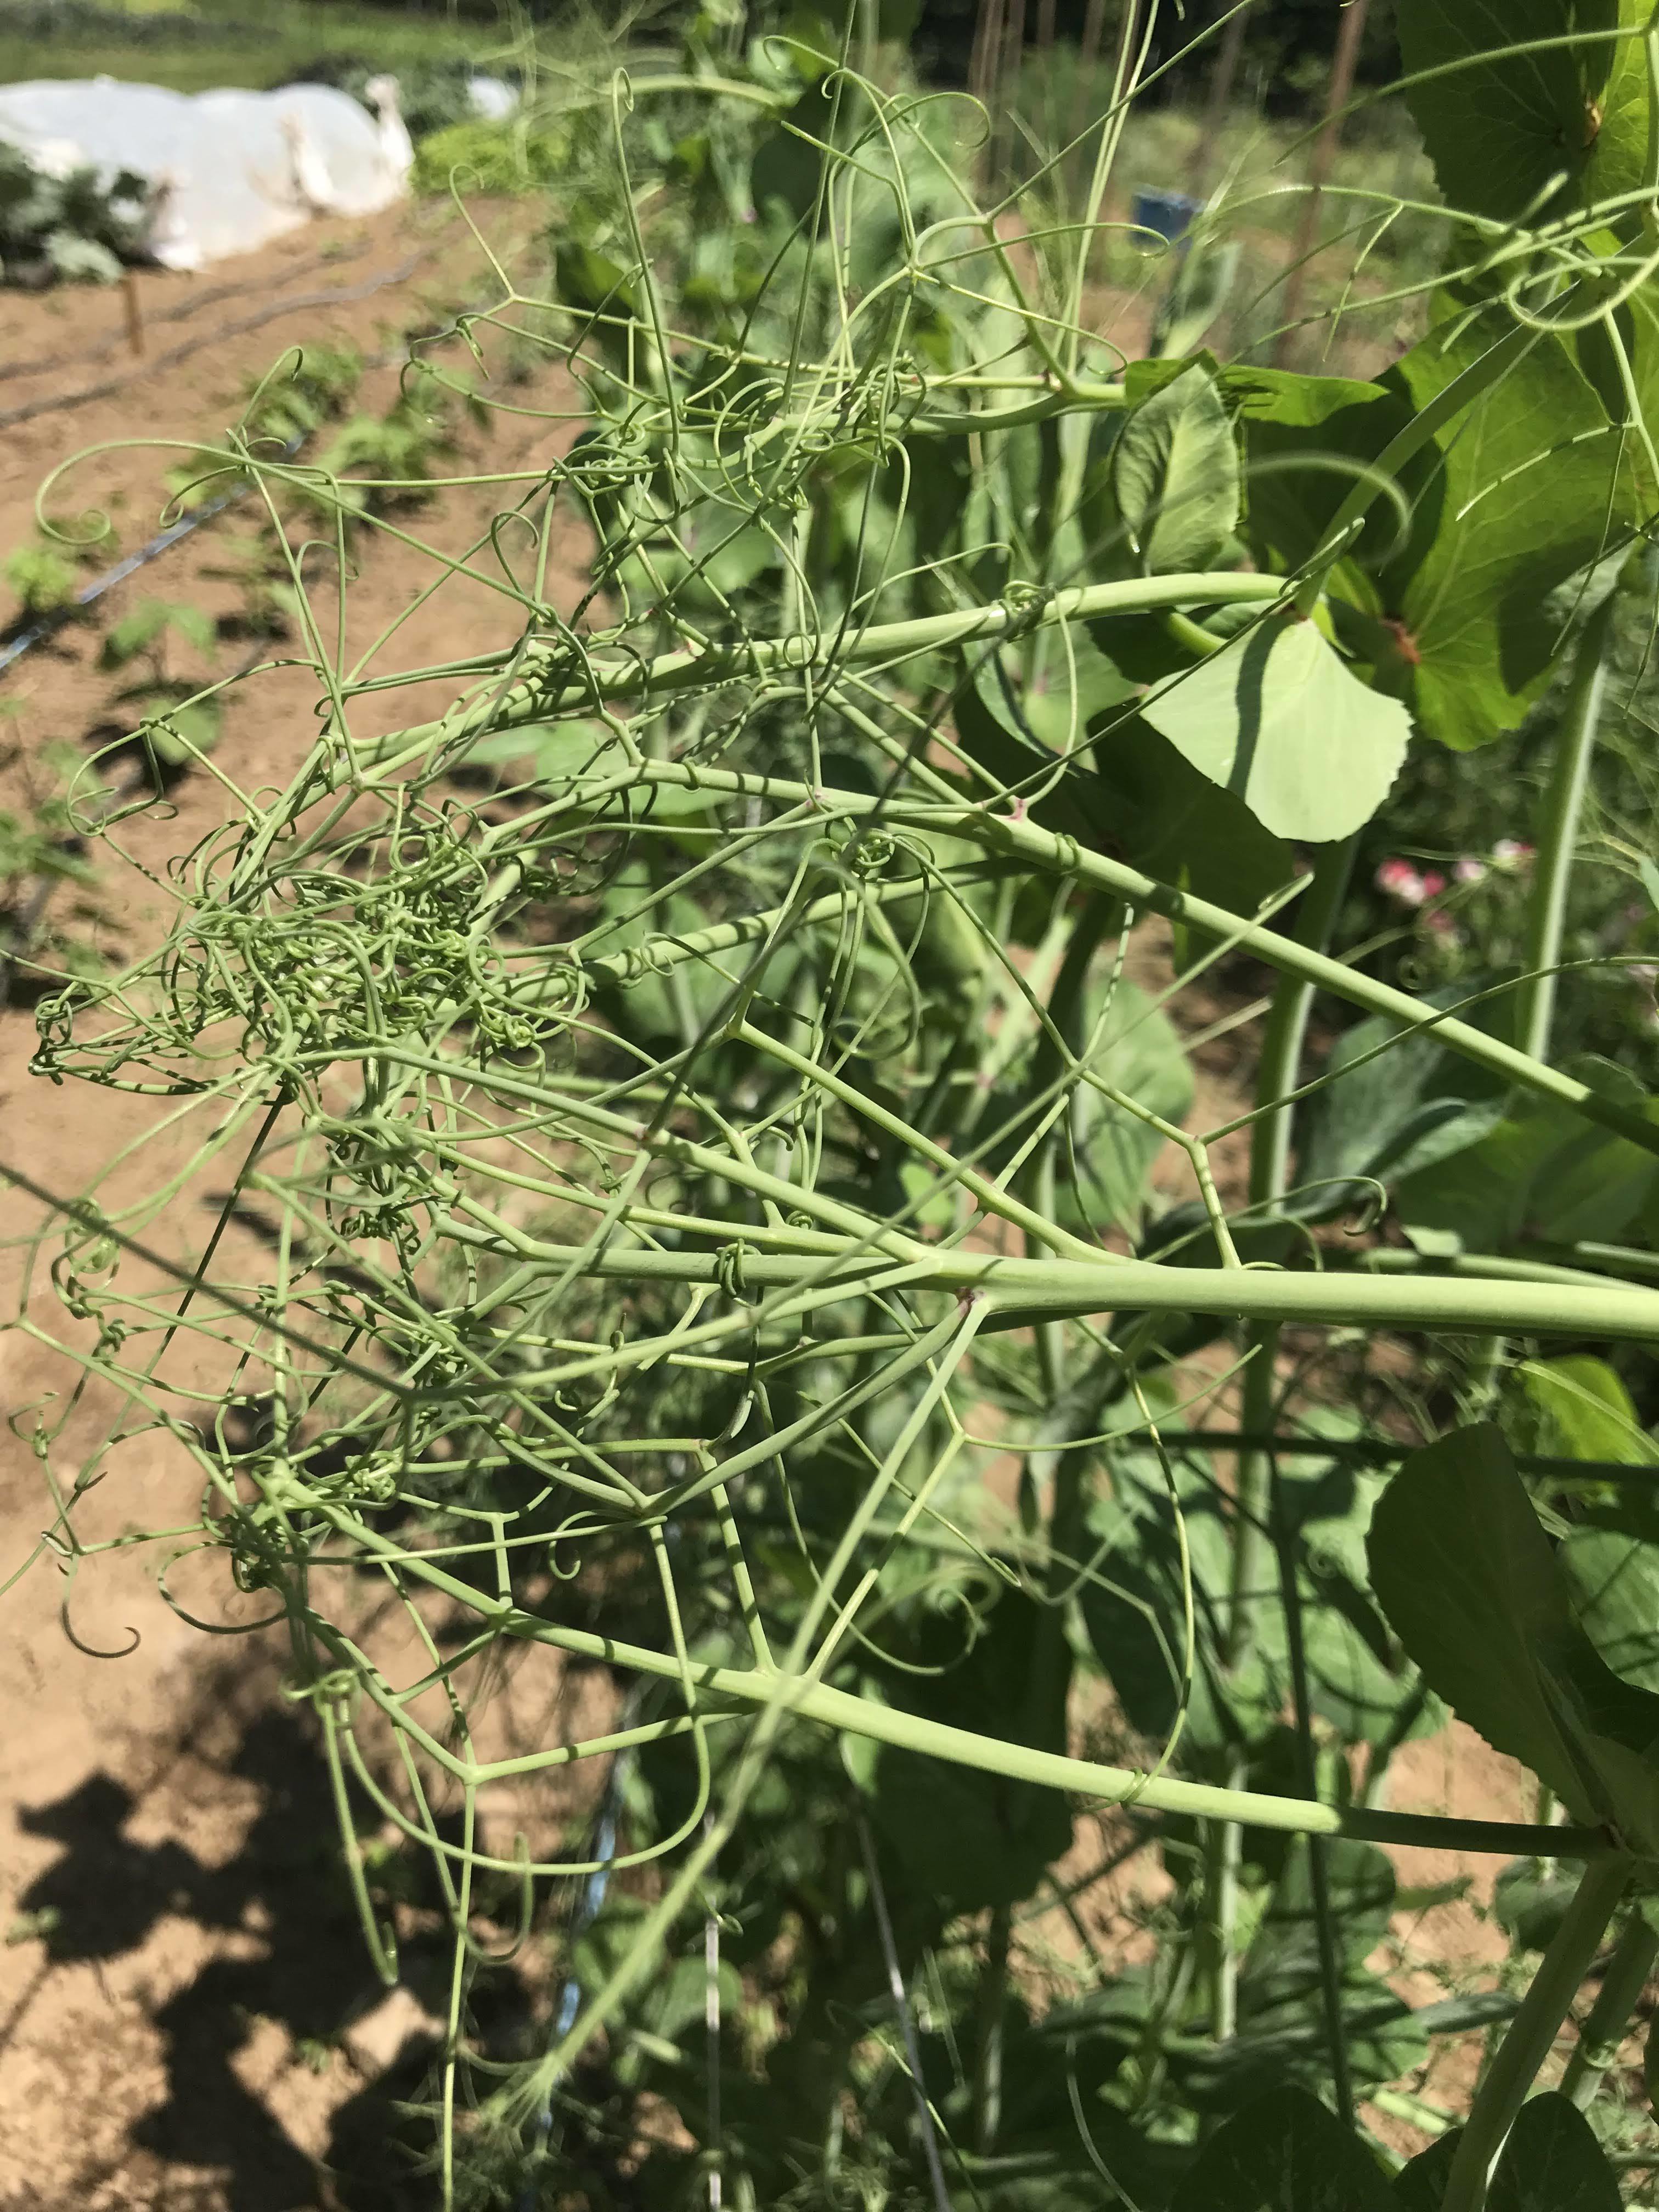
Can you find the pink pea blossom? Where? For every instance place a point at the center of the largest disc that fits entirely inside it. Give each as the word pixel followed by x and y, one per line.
pixel 1400 880
pixel 1509 852
pixel 1468 870
pixel 1410 886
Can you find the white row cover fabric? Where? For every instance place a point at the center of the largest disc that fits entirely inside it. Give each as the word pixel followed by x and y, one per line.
pixel 233 169
pixel 491 97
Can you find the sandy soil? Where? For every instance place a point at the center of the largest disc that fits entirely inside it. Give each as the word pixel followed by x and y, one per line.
pixel 186 2012
pixel 187 2017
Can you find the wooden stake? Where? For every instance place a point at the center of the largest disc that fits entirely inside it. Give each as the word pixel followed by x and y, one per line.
pixel 1223 79
pixel 134 317
pixel 1343 65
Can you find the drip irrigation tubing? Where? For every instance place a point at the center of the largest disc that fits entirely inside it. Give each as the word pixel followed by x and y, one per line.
pixel 590 1903
pixel 44 625
pixel 32 910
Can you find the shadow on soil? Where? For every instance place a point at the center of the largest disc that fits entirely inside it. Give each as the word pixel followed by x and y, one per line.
pixel 300 1960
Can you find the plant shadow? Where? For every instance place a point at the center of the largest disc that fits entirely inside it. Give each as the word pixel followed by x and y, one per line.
pixel 280 1947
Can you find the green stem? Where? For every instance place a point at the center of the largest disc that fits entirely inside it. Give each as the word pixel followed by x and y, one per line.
pixel 1546 903
pixel 1026 1290
pixel 619 676
pixel 1054 854
pixel 1283 1039
pixel 993 1998
pixel 1563 806
pixel 1597 2048
pixel 1531 2034
pixel 797 1694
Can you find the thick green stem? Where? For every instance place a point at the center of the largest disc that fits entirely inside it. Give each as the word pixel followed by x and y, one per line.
pixel 1597 2048
pixel 1026 1290
pixel 797 1694
pixel 1019 839
pixel 1563 806
pixel 1531 2034
pixel 539 695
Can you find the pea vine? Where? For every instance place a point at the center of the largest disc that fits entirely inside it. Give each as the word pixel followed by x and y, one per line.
pixel 717 1108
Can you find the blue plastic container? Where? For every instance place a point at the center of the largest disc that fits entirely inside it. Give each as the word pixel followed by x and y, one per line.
pixel 1170 214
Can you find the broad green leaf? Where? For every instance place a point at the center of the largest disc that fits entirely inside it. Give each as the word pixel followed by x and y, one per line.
pixel 1391 1113
pixel 1614 1581
pixel 1169 819
pixel 1282 1963
pixel 1291 2043
pixel 1275 718
pixel 1584 1411
pixel 1069 683
pixel 1175 471
pixel 1133 1607
pixel 1521 492
pixel 1502 129
pixel 1461 602
pixel 1420 2184
pixel 552 753
pixel 971 1838
pixel 1552 2162
pixel 147 624
pixel 1308 439
pixel 1538 1173
pixel 1530 1901
pixel 1284 2153
pixel 1467 1579
pixel 1130 793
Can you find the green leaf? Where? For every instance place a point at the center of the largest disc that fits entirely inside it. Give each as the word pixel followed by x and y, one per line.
pixel 1614 1581
pixel 972 1838
pixel 1284 2153
pixel 1132 1607
pixel 1420 2184
pixel 1307 441
pixel 1283 1959
pixel 1171 820
pixel 1584 1411
pixel 1552 2162
pixel 1275 718
pixel 1530 1901
pixel 1130 793
pixel 1467 1579
pixel 136 631
pixel 1175 471
pixel 1538 1173
pixel 551 753
pixel 1501 129
pixel 1521 492
pixel 1392 1114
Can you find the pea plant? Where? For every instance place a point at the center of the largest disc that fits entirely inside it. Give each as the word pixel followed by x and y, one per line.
pixel 727 1240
